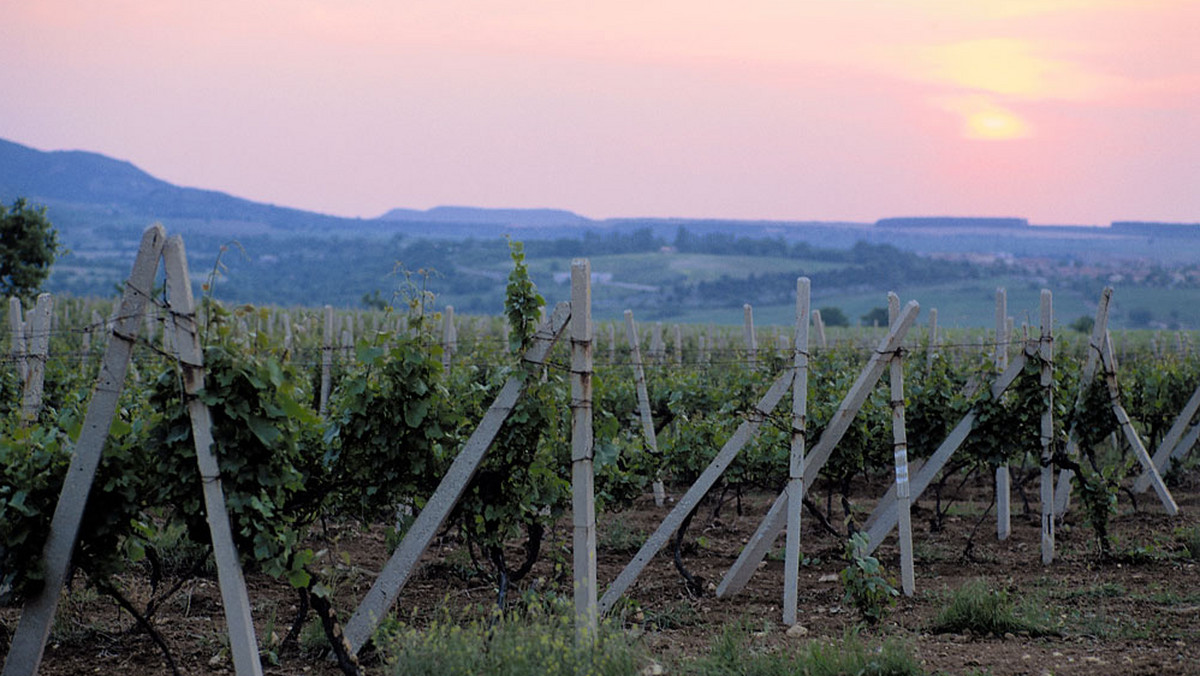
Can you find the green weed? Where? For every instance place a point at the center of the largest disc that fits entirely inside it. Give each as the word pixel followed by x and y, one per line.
pixel 733 653
pixel 976 608
pixel 536 641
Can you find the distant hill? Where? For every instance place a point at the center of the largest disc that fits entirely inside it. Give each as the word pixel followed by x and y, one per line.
pixel 100 206
pixel 112 186
pixel 536 218
pixel 952 222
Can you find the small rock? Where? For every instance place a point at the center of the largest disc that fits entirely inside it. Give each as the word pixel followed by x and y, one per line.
pixel 1009 636
pixel 797 630
pixel 653 669
pixel 831 577
pixel 215 660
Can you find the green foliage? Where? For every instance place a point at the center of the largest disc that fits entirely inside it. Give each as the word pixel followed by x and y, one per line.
pixel 28 247
pixel 877 316
pixel 976 608
pixel 867 588
pixel 734 653
pixel 391 431
pixel 33 461
pixel 522 303
pixel 1190 539
pixel 261 436
pixel 1083 324
pixel 537 640
pixel 834 316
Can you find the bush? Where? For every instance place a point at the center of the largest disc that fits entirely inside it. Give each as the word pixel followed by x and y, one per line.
pixel 733 654
pixel 536 641
pixel 867 587
pixel 976 608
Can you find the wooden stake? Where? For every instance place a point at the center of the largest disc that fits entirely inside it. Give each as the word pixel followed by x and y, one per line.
pixel 326 360
pixel 1164 452
pixel 16 326
pixel 639 375
pixel 1131 435
pixel 449 338
pixel 29 641
pixel 775 520
pixel 1062 494
pixel 751 339
pixel 1003 481
pixel 396 572
pixel 582 479
pixel 39 347
pixel 932 348
pixel 900 455
pixel 1046 353
pixel 239 622
pixel 744 433
pixel 886 514
pixel 795 486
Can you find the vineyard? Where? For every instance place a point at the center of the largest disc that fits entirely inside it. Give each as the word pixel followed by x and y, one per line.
pixel 337 439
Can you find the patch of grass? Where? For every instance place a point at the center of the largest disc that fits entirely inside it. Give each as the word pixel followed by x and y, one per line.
pixel 1105 590
pixel 672 616
pixel 976 608
pixel 733 652
pixel 619 536
pixel 539 640
pixel 1190 539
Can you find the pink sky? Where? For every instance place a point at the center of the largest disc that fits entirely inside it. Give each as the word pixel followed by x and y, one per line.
pixel 1061 111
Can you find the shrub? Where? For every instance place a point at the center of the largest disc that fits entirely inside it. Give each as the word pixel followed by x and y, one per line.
pixel 867 587
pixel 536 641
pixel 976 608
pixel 733 654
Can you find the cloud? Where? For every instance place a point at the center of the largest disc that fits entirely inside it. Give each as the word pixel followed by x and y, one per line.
pixel 1008 67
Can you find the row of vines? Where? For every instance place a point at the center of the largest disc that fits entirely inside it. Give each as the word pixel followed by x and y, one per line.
pixel 396 419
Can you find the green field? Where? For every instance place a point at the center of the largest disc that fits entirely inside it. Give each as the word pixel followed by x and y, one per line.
pixel 973 304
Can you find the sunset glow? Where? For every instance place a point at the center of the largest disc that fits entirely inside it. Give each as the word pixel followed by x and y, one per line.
pixel 820 109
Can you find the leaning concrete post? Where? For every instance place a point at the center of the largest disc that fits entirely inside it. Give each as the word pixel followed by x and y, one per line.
pixel 639 375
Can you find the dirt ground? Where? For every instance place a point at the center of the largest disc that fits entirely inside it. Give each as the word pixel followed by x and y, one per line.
pixel 1137 614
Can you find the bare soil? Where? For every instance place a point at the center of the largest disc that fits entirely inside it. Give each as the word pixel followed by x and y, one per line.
pixel 1137 613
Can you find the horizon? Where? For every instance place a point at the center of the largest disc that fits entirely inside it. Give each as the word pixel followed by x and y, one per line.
pixel 1063 112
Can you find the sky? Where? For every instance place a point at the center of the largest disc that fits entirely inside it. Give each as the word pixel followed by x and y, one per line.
pixel 1059 111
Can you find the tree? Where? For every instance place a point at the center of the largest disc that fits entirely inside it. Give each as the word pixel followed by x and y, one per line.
pixel 833 316
pixel 878 316
pixel 28 247
pixel 1083 324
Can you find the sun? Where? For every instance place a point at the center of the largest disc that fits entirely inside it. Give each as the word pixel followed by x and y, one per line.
pixel 984 119
pixel 994 125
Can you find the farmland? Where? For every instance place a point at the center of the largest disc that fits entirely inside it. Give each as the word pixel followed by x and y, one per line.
pixel 314 496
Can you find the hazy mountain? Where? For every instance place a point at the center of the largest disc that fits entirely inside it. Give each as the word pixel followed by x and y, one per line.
pixel 536 218
pixel 97 183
